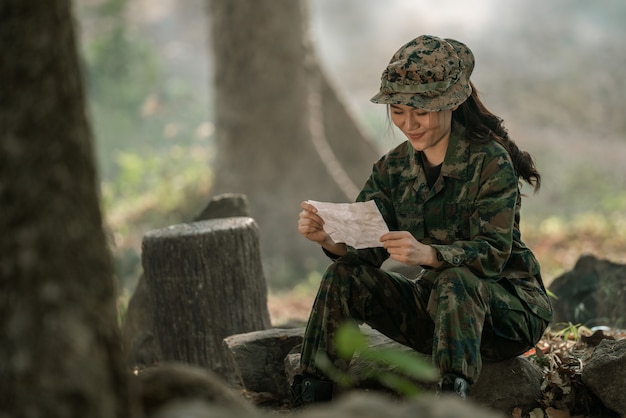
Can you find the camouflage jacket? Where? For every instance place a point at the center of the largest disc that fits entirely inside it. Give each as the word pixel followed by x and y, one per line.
pixel 470 216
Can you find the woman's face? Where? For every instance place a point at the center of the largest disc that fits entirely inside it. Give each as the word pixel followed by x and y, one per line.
pixel 426 131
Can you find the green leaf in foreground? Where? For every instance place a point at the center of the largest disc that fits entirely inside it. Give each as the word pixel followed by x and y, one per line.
pixel 406 363
pixel 405 368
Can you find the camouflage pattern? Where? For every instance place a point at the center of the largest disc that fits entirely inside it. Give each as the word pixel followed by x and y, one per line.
pixel 428 73
pixel 487 300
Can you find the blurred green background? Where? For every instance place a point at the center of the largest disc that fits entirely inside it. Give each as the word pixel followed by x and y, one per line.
pixel 553 71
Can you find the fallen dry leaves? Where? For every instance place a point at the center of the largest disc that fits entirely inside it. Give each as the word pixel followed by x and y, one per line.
pixel 562 356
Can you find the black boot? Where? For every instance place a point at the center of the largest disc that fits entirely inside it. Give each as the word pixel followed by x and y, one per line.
pixel 308 389
pixel 456 385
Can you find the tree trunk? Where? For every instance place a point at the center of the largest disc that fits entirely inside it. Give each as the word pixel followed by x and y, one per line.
pixel 206 283
pixel 283 135
pixel 60 349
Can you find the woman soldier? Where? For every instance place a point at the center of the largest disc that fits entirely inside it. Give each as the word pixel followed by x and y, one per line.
pixel 450 195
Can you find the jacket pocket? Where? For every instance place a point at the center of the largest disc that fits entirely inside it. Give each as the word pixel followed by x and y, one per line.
pixel 457 219
pixel 533 296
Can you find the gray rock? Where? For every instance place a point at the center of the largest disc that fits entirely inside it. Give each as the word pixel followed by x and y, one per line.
pixel 591 294
pixel 502 385
pixel 605 374
pixel 360 404
pixel 508 384
pixel 198 408
pixel 357 404
pixel 260 358
pixel 159 386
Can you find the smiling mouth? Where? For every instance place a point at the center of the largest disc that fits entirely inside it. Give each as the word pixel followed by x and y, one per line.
pixel 416 136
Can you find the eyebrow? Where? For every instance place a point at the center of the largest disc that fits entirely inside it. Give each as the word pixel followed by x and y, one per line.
pixel 395 106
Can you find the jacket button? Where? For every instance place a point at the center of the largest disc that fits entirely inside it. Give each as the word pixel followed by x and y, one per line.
pixel 456 259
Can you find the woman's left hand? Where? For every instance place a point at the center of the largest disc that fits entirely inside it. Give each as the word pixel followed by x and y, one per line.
pixel 404 248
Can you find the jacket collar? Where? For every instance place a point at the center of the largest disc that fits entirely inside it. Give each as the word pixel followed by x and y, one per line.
pixel 456 161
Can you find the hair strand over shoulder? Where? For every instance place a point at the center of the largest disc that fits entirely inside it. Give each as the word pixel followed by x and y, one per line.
pixel 481 126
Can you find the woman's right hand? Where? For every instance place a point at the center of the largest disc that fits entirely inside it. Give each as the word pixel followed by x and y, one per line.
pixel 311 226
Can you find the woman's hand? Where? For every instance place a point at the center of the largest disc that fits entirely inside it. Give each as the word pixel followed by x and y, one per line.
pixel 311 226
pixel 404 248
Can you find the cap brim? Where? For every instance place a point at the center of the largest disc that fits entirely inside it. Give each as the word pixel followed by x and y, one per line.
pixel 455 96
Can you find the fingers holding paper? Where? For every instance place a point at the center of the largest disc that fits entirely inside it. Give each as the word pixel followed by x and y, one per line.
pixel 310 225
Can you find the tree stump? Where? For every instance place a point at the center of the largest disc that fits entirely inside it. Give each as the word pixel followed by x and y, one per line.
pixel 139 340
pixel 206 283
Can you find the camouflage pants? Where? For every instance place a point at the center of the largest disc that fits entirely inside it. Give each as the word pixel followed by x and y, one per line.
pixel 457 318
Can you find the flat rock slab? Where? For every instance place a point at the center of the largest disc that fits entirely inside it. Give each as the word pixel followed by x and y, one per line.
pixel 267 361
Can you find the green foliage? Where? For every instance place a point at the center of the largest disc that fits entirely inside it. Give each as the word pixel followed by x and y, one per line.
pixel 136 105
pixel 153 141
pixel 570 331
pixel 403 369
pixel 309 285
pixel 163 178
pixel 152 190
pixel 614 201
pixel 111 8
pixel 120 70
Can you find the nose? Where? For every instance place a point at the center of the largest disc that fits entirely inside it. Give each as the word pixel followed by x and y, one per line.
pixel 411 121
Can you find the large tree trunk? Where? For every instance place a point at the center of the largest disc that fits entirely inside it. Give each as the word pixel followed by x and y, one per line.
pixel 283 135
pixel 206 283
pixel 60 349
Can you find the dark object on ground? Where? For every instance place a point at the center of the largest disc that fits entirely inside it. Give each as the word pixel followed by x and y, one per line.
pixel 454 385
pixel 591 294
pixel 306 390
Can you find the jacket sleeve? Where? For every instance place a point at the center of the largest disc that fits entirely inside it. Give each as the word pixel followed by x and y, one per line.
pixel 491 222
pixel 376 189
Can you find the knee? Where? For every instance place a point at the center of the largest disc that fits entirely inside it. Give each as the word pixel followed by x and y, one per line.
pixel 460 281
pixel 341 269
pixel 349 274
pixel 340 273
pixel 460 275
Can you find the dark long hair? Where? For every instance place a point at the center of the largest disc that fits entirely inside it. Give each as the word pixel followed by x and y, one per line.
pixel 481 126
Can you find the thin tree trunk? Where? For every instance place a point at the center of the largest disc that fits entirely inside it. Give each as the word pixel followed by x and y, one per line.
pixel 283 134
pixel 60 349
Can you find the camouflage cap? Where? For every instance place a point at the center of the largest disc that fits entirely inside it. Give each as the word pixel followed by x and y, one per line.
pixel 428 73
